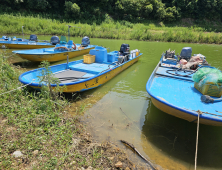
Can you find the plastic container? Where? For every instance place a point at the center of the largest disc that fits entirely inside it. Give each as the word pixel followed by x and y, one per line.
pixel 111 57
pixel 70 43
pixel 100 53
pixel 210 89
pixel 116 53
pixel 88 59
pixel 137 52
pixel 133 53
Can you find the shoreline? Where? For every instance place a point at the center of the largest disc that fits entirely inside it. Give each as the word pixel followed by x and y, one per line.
pixel 46 134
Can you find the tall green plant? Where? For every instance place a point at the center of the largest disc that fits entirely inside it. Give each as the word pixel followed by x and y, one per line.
pixel 47 79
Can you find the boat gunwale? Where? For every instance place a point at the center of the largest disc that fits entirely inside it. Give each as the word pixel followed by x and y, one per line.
pixel 190 112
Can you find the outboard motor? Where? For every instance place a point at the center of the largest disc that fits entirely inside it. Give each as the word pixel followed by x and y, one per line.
pixel 5 37
pixel 55 40
pixel 33 37
pixel 85 41
pixel 186 53
pixel 125 51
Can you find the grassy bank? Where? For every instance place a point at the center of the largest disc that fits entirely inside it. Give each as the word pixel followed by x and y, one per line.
pixel 185 31
pixel 40 128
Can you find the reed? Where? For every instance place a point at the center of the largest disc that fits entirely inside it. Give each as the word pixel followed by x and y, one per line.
pixel 147 31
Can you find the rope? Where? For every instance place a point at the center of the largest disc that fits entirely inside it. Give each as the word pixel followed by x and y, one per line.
pixel 185 75
pixel 17 88
pixel 198 120
pixel 176 74
pixel 208 99
pixel 212 114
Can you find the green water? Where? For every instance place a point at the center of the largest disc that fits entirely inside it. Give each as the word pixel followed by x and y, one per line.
pixel 124 111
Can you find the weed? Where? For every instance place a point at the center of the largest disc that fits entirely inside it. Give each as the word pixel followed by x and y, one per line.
pixel 149 30
pixel 95 156
pixel 32 122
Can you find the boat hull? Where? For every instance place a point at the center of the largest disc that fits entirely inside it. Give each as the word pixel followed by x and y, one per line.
pixel 182 114
pixel 97 81
pixel 25 46
pixel 54 56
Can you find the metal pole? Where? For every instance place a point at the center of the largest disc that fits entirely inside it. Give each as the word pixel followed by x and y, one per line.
pixel 22 32
pixel 68 32
pixel 67 61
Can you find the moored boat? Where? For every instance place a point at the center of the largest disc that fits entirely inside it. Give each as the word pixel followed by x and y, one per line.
pixel 95 69
pixel 57 53
pixel 172 88
pixel 32 43
pixel 8 39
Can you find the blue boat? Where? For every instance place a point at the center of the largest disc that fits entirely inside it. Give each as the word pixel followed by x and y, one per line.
pixel 172 90
pixel 57 53
pixel 95 69
pixel 32 43
pixel 8 39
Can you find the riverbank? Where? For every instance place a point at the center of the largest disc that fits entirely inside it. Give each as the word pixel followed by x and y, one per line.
pixel 38 132
pixel 185 31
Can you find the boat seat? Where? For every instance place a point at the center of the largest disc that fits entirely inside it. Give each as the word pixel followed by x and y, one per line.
pixel 94 68
pixel 63 40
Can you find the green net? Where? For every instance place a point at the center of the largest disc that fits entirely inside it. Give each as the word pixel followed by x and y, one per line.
pixel 207 74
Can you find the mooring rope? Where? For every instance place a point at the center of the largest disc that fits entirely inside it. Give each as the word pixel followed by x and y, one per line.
pixel 17 88
pixel 198 120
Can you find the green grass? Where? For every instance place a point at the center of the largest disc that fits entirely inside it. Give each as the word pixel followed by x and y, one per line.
pixel 207 32
pixel 31 121
pixel 41 126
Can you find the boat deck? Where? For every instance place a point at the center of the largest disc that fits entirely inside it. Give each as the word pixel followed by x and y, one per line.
pixel 180 93
pixel 80 71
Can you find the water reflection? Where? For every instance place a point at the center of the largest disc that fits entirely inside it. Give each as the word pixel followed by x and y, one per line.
pixel 175 141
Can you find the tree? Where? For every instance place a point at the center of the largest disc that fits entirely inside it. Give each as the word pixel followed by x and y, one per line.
pixel 71 10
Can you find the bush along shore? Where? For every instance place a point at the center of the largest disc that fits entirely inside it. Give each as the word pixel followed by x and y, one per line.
pixel 37 132
pixel 185 31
